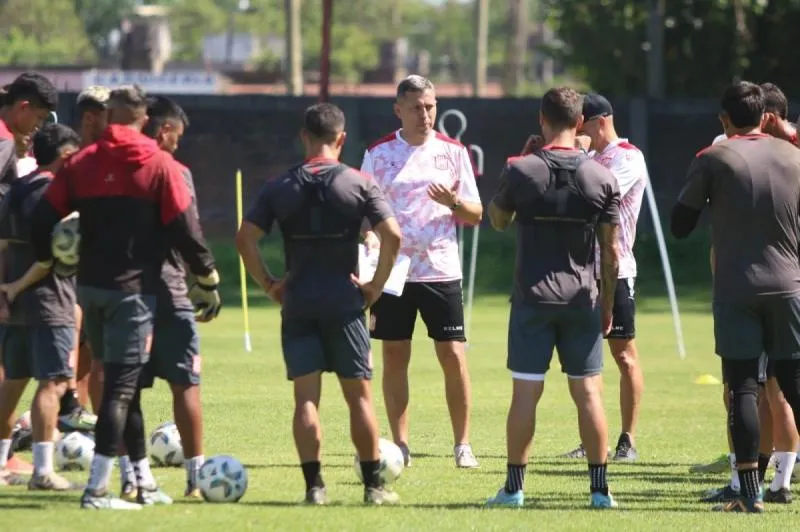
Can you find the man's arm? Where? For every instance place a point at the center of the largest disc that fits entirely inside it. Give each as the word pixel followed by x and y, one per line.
pixel 608 239
pixel 52 208
pixel 502 208
pixel 468 209
pixel 247 239
pixel 388 232
pixel 692 199
pixel 371 239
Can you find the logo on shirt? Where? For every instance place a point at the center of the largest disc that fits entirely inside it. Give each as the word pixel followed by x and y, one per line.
pixel 440 162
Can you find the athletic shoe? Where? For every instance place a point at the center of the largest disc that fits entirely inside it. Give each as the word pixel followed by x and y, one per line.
pixel 152 497
pixel 52 482
pixel 380 496
pixel 741 505
pixel 726 494
pixel 625 451
pixel 464 456
pixel 21 439
pixel 781 496
pixel 720 465
pixel 602 502
pixel 128 492
pixel 192 492
pixel 316 496
pixel 579 453
pixel 503 498
pixel 406 454
pixel 79 419
pixel 91 500
pixel 19 466
pixel 9 478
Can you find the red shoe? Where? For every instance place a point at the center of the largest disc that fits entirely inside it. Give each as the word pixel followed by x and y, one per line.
pixel 19 466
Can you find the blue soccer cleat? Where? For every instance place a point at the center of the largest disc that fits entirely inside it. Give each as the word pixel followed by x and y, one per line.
pixel 601 502
pixel 503 498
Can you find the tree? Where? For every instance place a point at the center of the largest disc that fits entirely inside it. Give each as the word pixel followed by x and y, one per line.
pixel 42 32
pixel 100 17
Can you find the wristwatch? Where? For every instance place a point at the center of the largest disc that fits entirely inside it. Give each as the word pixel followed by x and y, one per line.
pixel 456 205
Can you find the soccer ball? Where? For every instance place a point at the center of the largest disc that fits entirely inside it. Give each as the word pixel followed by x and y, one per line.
pixel 74 452
pixel 222 479
pixel 66 241
pixel 391 462
pixel 24 421
pixel 165 446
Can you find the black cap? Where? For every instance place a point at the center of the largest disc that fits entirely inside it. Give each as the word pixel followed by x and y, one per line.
pixel 595 106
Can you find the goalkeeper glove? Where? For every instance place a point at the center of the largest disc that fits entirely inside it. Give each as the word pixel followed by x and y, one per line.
pixel 205 298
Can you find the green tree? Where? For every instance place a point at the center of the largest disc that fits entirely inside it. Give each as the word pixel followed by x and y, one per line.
pixel 100 17
pixel 42 32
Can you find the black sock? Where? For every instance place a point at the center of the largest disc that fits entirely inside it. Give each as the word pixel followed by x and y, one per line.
pixel 515 478
pixel 311 472
pixel 763 463
pixel 371 471
pixel 748 478
pixel 69 402
pixel 597 478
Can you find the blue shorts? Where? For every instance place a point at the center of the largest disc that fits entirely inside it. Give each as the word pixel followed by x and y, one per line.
pixel 175 356
pixel 40 352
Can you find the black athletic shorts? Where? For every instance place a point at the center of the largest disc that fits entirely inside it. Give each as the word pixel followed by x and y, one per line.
pixel 768 325
pixel 623 323
pixel 766 370
pixel 441 305
pixel 175 353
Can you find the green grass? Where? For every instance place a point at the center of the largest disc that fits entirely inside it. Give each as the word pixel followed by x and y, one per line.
pixel 248 408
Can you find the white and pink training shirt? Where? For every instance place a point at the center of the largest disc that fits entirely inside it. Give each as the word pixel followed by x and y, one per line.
pixel 627 164
pixel 404 173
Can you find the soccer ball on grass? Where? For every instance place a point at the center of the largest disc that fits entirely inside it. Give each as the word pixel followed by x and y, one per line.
pixel 391 458
pixel 74 452
pixel 165 446
pixel 222 479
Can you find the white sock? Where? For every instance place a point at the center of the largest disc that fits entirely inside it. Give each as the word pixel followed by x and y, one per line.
pixel 734 473
pixel 126 470
pixel 43 458
pixel 5 448
pixel 192 466
pixel 100 475
pixel 784 466
pixel 144 477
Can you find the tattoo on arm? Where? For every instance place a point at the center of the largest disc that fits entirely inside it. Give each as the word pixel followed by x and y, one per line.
pixel 608 237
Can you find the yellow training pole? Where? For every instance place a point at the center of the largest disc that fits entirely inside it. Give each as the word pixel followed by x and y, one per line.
pixel 242 273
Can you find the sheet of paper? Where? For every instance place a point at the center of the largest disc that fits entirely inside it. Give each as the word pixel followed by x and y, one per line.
pixel 397 279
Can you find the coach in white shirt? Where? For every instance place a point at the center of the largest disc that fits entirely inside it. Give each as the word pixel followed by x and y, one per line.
pixel 429 182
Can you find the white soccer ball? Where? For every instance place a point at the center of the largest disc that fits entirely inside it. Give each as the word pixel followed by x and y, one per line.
pixel 222 479
pixel 24 421
pixel 74 452
pixel 391 462
pixel 165 447
pixel 66 240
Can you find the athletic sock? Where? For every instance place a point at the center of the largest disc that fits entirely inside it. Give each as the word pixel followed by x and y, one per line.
pixel 311 473
pixel 597 477
pixel 43 458
pixel 751 487
pixel 69 403
pixel 126 471
pixel 515 478
pixel 784 466
pixel 100 474
pixel 5 451
pixel 144 477
pixel 763 464
pixel 735 485
pixel 193 466
pixel 371 470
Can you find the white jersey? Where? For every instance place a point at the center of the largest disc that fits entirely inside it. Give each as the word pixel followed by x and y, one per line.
pixel 404 173
pixel 26 165
pixel 627 164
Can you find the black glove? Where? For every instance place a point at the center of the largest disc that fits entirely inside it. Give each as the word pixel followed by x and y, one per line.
pixel 205 297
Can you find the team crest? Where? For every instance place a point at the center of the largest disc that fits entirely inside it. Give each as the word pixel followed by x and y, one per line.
pixel 440 162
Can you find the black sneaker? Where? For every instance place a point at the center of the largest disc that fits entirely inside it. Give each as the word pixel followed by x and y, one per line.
pixel 317 496
pixel 781 496
pixel 625 451
pixel 726 494
pixel 577 453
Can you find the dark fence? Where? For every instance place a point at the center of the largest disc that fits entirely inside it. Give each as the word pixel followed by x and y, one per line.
pixel 259 135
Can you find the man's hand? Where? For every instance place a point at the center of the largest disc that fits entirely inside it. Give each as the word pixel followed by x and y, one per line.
pixel 205 297
pixel 443 195
pixel 369 290
pixel 276 289
pixel 583 142
pixel 11 290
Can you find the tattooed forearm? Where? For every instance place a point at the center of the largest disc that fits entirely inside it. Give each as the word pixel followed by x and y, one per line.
pixel 608 238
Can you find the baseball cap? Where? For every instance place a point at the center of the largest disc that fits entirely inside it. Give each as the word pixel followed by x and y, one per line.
pixel 95 93
pixel 595 106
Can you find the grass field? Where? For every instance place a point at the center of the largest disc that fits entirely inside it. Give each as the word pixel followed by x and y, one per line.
pixel 248 409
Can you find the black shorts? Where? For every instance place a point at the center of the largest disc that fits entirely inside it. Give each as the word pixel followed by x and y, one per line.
pixel 768 326
pixel 441 305
pixel 766 370
pixel 339 344
pixel 623 323
pixel 175 356
pixel 40 352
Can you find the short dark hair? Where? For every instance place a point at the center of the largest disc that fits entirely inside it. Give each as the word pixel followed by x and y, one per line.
pixel 35 88
pixel 744 103
pixel 50 139
pixel 562 107
pixel 161 110
pixel 324 121
pixel 414 83
pixel 127 104
pixel 775 100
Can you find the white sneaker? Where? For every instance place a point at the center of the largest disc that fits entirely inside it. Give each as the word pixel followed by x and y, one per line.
pixel 464 456
pixel 94 501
